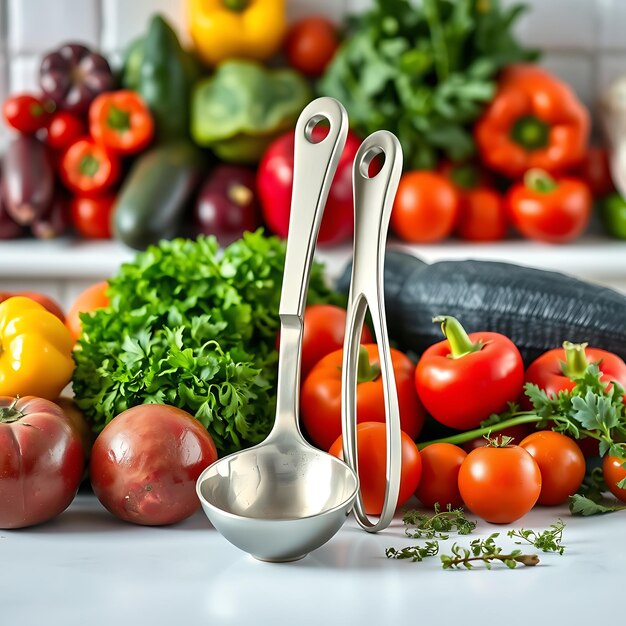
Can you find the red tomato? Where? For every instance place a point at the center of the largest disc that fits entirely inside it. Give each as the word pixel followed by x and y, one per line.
pixel 482 215
pixel 548 210
pixel 26 113
pixel 64 129
pixel 320 397
pixel 517 433
pixel 440 475
pixel 463 379
pixel 91 217
pixel 324 329
pixel 426 207
pixel 45 301
pixel 41 461
pixel 372 456
pixel 311 44
pixel 275 181
pixel 94 297
pixel 561 463
pixel 614 472
pixel 596 172
pixel 499 484
pixel 145 463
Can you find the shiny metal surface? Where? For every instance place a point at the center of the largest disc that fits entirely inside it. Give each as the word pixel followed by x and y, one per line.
pixel 283 498
pixel 373 201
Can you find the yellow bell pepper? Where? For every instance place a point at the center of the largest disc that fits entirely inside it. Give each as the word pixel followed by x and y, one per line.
pixel 35 350
pixel 227 29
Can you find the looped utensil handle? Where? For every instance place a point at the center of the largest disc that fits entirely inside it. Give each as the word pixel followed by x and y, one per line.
pixel 373 201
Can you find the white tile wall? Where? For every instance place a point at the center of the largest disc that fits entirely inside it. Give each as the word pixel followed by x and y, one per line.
pixel 124 20
pixel 35 26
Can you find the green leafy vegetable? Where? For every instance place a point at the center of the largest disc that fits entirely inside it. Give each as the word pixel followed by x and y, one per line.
pixel 424 70
pixel 193 329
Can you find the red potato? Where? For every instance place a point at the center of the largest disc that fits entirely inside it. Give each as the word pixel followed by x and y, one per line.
pixel 145 463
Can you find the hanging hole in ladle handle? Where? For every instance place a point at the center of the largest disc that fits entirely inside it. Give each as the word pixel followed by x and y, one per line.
pixel 317 129
pixel 372 162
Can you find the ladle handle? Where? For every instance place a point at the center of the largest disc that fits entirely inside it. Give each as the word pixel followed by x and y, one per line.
pixel 373 201
pixel 314 168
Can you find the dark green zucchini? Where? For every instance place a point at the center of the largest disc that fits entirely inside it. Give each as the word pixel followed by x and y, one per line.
pixel 536 309
pixel 152 202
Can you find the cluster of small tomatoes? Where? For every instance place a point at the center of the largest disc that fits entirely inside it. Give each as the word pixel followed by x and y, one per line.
pixel 459 382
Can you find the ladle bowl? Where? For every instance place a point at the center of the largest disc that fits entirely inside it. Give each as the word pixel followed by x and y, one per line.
pixel 278 501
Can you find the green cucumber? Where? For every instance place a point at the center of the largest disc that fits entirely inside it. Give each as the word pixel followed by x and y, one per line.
pixel 152 202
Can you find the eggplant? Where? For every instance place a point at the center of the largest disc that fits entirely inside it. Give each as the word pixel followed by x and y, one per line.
pixel 536 309
pixel 55 221
pixel 27 179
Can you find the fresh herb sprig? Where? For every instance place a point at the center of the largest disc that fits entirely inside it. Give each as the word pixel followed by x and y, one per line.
pixel 549 540
pixel 415 553
pixel 585 505
pixel 420 525
pixel 485 551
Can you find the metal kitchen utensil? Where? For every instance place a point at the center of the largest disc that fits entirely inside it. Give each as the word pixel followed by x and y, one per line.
pixel 373 200
pixel 613 119
pixel 283 498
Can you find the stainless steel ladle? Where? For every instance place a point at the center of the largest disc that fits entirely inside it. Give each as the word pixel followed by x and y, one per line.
pixel 283 498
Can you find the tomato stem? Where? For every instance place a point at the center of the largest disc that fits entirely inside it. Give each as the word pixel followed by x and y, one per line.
pixel 366 371
pixel 118 119
pixel 530 132
pixel 575 359
pixel 458 339
pixel 539 180
pixel 9 414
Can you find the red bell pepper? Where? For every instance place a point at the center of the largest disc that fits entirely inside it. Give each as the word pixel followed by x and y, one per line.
pixel 557 370
pixel 465 378
pixel 88 168
pixel 320 395
pixel 535 120
pixel 121 121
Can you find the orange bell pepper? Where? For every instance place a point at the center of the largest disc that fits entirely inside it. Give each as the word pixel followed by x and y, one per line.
pixel 534 121
pixel 121 121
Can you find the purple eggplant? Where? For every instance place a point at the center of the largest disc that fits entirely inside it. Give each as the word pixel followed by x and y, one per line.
pixel 227 204
pixel 73 76
pixel 9 228
pixel 55 221
pixel 27 180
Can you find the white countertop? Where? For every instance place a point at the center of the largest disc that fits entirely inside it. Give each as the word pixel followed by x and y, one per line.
pixel 88 568
pixel 66 257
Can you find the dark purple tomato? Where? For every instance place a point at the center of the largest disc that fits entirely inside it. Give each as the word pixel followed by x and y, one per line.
pixel 227 205
pixel 72 76
pixel 9 228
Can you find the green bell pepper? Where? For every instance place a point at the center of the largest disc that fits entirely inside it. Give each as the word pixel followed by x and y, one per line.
pixel 239 110
pixel 613 214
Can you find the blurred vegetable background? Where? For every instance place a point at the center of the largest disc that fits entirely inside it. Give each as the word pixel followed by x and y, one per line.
pixel 134 147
